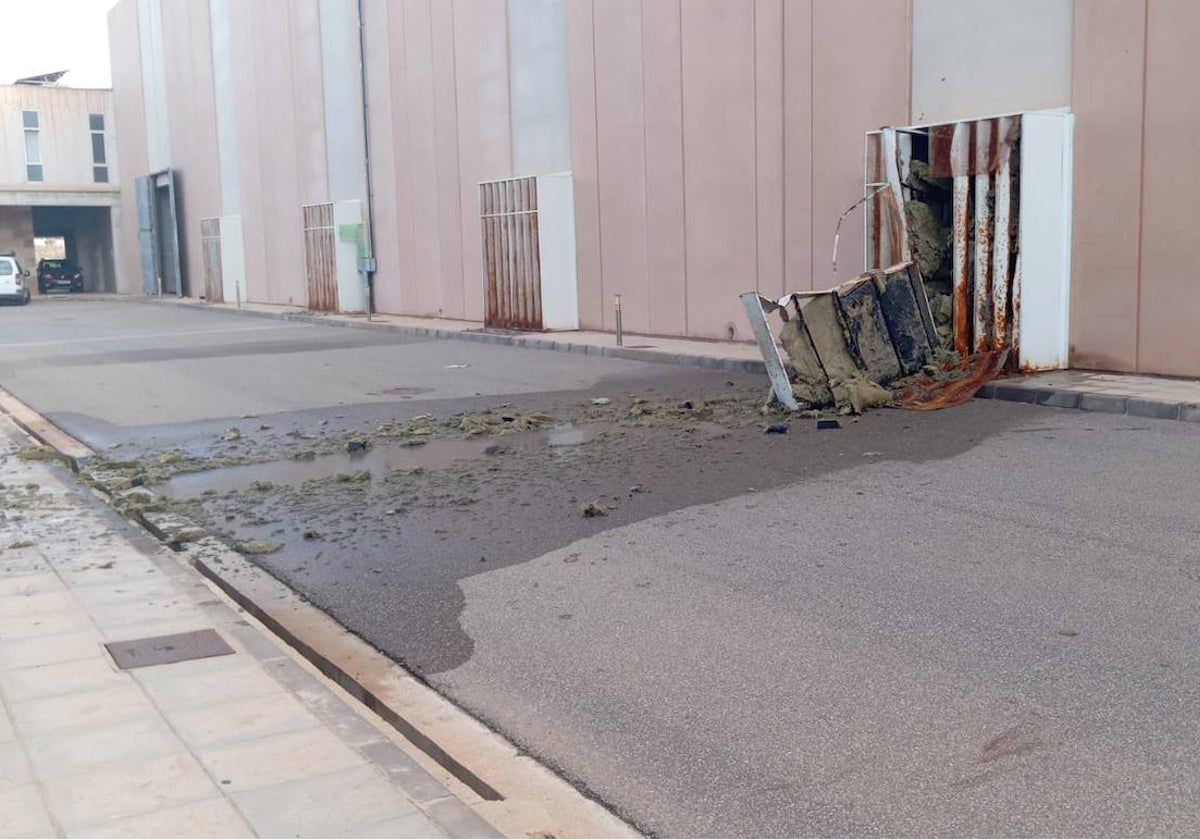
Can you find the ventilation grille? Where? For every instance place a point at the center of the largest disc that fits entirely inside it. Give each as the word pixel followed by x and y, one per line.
pixel 511 265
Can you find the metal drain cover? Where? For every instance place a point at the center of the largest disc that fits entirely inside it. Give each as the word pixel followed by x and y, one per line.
pixel 163 650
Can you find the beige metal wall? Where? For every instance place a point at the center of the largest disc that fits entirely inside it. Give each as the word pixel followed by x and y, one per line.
pixel 1135 292
pixel 66 139
pixel 714 145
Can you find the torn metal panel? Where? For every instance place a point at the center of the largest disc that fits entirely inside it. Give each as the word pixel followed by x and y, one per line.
pixel 867 332
pixel 906 313
pixel 845 343
pixel 756 307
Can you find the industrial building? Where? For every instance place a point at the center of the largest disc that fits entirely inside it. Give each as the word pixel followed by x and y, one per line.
pixel 59 177
pixel 523 162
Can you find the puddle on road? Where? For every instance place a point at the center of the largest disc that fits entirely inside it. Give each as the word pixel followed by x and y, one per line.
pixel 379 460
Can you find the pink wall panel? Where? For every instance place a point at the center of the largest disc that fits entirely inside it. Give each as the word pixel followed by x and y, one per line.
pixel 484 134
pixel 666 253
pixel 1109 55
pixel 450 207
pixel 246 59
pixel 417 48
pixel 797 145
pixel 1169 311
pixel 719 155
pixel 279 166
pixel 406 294
pixel 769 142
pixel 130 118
pixel 581 58
pixel 621 156
pixel 383 156
pixel 855 89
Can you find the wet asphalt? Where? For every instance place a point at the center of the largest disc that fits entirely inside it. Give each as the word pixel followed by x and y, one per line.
pixel 973 621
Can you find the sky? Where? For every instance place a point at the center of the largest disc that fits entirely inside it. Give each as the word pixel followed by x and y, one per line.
pixel 42 36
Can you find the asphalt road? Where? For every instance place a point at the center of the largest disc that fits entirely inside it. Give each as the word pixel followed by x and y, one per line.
pixel 978 621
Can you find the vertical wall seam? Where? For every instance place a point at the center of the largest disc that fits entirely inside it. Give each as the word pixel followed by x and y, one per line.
pixel 812 143
pixel 462 272
pixel 437 153
pixel 683 176
pixel 783 146
pixel 508 60
pixel 645 170
pixel 596 139
pixel 908 60
pixel 1140 256
pixel 409 163
pixel 754 86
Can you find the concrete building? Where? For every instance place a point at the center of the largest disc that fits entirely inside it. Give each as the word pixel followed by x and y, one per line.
pixel 59 176
pixel 528 160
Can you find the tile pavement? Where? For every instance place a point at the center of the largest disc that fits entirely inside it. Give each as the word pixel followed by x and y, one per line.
pixel 249 744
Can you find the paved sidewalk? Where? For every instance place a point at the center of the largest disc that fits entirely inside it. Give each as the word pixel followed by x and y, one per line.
pixel 251 743
pixel 1159 397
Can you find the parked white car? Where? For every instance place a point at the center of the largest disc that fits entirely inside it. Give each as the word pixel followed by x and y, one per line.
pixel 14 282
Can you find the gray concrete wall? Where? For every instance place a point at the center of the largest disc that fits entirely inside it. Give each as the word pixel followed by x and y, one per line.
pixel 539 86
pixel 342 91
pixel 16 234
pixel 974 58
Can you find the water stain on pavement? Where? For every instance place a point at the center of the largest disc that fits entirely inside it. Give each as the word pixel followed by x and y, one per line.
pixel 399 526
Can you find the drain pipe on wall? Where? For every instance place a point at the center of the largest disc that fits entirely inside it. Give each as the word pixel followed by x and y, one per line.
pixel 366 260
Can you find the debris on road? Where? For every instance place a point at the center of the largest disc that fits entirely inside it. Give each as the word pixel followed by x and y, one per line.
pixel 257 547
pixel 232 433
pixel 591 510
pixel 867 342
pixel 601 401
pixel 356 445
pixel 828 424
pixel 777 429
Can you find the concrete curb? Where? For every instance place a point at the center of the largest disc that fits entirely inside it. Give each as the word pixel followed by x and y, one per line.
pixel 1089 401
pixel 529 342
pixel 75 453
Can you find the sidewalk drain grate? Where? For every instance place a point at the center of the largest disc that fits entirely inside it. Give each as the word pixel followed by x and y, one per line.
pixel 163 650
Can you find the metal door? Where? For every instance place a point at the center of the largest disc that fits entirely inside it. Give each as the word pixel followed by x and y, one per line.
pixel 508 216
pixel 320 264
pixel 168 242
pixel 146 238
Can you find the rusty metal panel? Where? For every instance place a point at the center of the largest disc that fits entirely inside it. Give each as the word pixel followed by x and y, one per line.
pixel 319 260
pixel 1001 252
pixel 960 225
pixel 210 259
pixel 982 263
pixel 509 227
pixel 971 147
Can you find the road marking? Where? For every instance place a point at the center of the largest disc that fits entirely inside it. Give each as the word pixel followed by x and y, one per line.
pixel 141 336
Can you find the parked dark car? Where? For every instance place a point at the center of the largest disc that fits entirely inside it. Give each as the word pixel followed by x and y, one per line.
pixel 59 274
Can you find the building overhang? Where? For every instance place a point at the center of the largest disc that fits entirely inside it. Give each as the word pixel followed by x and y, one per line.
pixel 24 197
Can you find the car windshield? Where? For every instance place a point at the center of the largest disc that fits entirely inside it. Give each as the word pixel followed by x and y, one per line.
pixel 58 265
